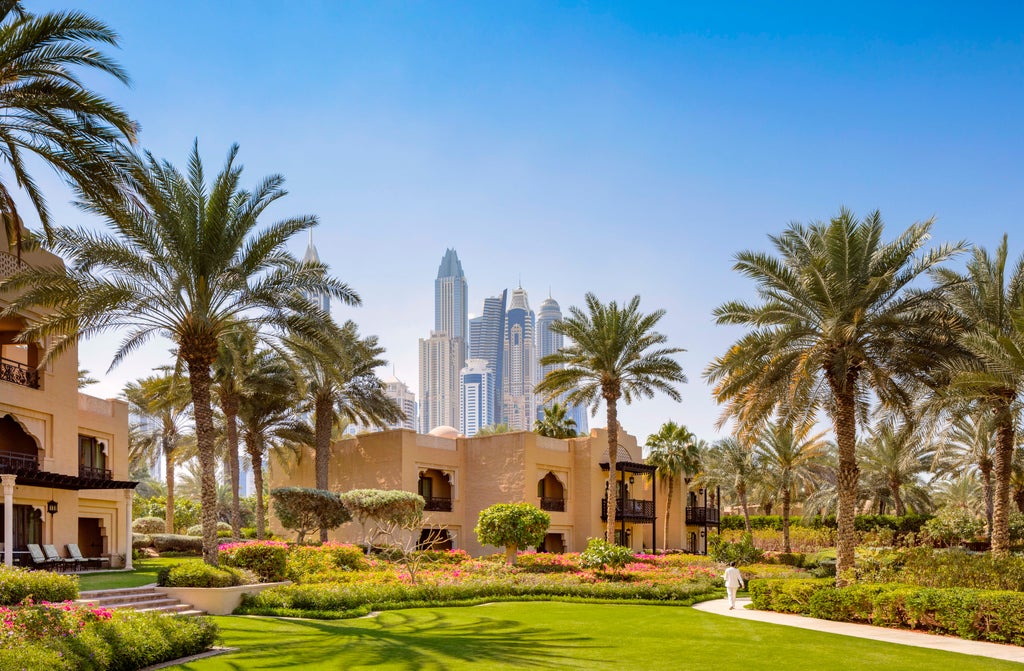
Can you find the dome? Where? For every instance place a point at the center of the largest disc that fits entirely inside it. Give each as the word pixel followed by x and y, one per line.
pixel 444 431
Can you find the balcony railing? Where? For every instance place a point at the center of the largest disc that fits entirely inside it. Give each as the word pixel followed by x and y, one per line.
pixel 630 510
pixel 19 373
pixel 15 461
pixel 95 473
pixel 438 504
pixel 552 504
pixel 700 515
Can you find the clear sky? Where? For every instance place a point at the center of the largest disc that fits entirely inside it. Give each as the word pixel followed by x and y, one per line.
pixel 628 148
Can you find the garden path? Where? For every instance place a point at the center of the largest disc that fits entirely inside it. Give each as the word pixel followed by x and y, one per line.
pixel 918 639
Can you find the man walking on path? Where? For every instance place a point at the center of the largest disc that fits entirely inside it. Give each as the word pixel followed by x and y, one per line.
pixel 733 581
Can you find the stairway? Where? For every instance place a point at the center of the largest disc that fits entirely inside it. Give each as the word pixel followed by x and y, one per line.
pixel 143 599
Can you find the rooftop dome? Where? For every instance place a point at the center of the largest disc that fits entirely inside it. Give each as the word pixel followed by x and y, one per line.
pixel 444 431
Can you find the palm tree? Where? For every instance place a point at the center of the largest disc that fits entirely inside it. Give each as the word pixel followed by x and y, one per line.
pixel 969 444
pixel 50 113
pixel 556 422
pixel 893 462
pixel 614 354
pixel 674 452
pixel 184 260
pixel 730 464
pixel 838 324
pixel 493 430
pixel 786 460
pixel 162 402
pixel 990 305
pixel 962 492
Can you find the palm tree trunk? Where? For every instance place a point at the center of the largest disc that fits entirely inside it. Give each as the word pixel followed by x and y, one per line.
pixel 613 463
pixel 169 506
pixel 986 485
pixel 257 478
pixel 229 406
pixel 202 408
pixel 668 509
pixel 1003 471
pixel 894 487
pixel 786 495
pixel 741 492
pixel 322 418
pixel 846 481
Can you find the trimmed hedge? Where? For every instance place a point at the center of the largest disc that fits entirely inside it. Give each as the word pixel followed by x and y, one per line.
pixel 200 574
pixel 267 559
pixel 974 614
pixel 18 584
pixel 900 525
pixel 149 525
pixel 177 543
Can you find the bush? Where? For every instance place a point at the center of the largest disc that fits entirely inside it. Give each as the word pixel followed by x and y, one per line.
pixel 148 525
pixel 176 543
pixel 741 552
pixel 141 541
pixel 385 508
pixel 201 574
pixel 18 584
pixel 953 527
pixel 302 510
pixel 267 559
pixel 197 529
pixel 600 553
pixel 514 526
pixel 317 563
pixel 958 568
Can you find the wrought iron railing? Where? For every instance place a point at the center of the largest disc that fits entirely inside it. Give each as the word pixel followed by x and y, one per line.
pixel 552 504
pixel 438 503
pixel 19 373
pixel 631 510
pixel 95 473
pixel 15 461
pixel 701 515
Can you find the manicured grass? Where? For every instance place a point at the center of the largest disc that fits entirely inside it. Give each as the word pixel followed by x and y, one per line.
pixel 548 635
pixel 144 574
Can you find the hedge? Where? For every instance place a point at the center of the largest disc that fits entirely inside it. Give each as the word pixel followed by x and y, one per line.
pixel 199 574
pixel 901 525
pixel 177 543
pixel 267 559
pixel 975 614
pixel 18 584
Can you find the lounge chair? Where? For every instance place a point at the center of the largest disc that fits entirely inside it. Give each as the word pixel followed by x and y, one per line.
pixel 61 563
pixel 39 560
pixel 75 553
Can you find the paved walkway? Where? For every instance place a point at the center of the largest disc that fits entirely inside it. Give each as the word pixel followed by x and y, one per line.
pixel 1010 653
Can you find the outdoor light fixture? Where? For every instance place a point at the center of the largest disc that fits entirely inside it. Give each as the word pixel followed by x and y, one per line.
pixel 631 479
pixel 51 507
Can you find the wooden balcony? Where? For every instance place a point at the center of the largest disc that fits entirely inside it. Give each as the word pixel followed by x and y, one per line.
pixel 14 462
pixel 437 504
pixel 630 510
pixel 18 373
pixel 699 515
pixel 552 504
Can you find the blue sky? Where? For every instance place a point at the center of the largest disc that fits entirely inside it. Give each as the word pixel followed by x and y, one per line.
pixel 623 149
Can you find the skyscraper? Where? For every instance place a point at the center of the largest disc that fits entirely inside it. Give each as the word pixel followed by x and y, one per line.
pixel 439 383
pixel 487 342
pixel 549 342
pixel 451 298
pixel 520 360
pixel 397 391
pixel 322 301
pixel 477 397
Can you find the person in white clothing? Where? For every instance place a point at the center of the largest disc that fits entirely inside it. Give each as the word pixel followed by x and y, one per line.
pixel 733 581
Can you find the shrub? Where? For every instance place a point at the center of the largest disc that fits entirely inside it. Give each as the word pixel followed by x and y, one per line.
pixel 302 510
pixel 741 552
pixel 1016 527
pixel 18 584
pixel 176 543
pixel 200 574
pixel 514 526
pixel 197 529
pixel 953 527
pixel 600 553
pixel 315 563
pixel 267 559
pixel 958 568
pixel 148 525
pixel 141 541
pixel 386 509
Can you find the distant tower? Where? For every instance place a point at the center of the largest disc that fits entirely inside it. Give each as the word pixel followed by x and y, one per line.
pixel 322 301
pixel 397 391
pixel 487 342
pixel 549 342
pixel 477 394
pixel 443 355
pixel 520 360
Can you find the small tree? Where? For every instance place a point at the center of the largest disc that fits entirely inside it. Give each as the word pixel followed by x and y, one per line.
pixel 513 526
pixel 388 509
pixel 302 510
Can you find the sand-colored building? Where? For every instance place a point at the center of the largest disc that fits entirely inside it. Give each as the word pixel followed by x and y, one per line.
pixel 63 454
pixel 460 476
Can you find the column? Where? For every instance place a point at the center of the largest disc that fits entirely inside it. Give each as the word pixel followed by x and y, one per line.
pixel 128 495
pixel 8 484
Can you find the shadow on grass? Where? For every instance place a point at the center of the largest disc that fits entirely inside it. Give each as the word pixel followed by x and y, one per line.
pixel 402 639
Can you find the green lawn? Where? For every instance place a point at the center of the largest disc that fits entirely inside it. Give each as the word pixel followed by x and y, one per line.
pixel 144 574
pixel 550 635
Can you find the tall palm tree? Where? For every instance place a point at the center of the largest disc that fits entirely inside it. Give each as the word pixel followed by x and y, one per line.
pixel 989 299
pixel 556 422
pixel 674 452
pixel 967 445
pixel 894 461
pixel 730 464
pixel 960 492
pixel 50 113
pixel 786 460
pixel 614 354
pixel 162 402
pixel 838 324
pixel 185 260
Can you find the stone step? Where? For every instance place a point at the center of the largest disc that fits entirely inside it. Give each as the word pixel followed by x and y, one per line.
pixel 142 599
pixel 172 609
pixel 97 593
pixel 128 601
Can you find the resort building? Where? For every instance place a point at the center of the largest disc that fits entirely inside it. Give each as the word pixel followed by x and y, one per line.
pixel 63 454
pixel 458 477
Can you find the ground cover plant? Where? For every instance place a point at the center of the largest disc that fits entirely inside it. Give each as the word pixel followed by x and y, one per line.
pixel 507 636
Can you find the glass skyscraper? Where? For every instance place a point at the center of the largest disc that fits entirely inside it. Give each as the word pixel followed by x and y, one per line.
pixel 520 361
pixel 487 342
pixel 443 354
pixel 549 342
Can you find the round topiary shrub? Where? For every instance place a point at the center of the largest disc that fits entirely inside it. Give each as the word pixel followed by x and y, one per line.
pixel 515 526
pixel 177 543
pixel 600 553
pixel 149 525
pixel 197 529
pixel 141 541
